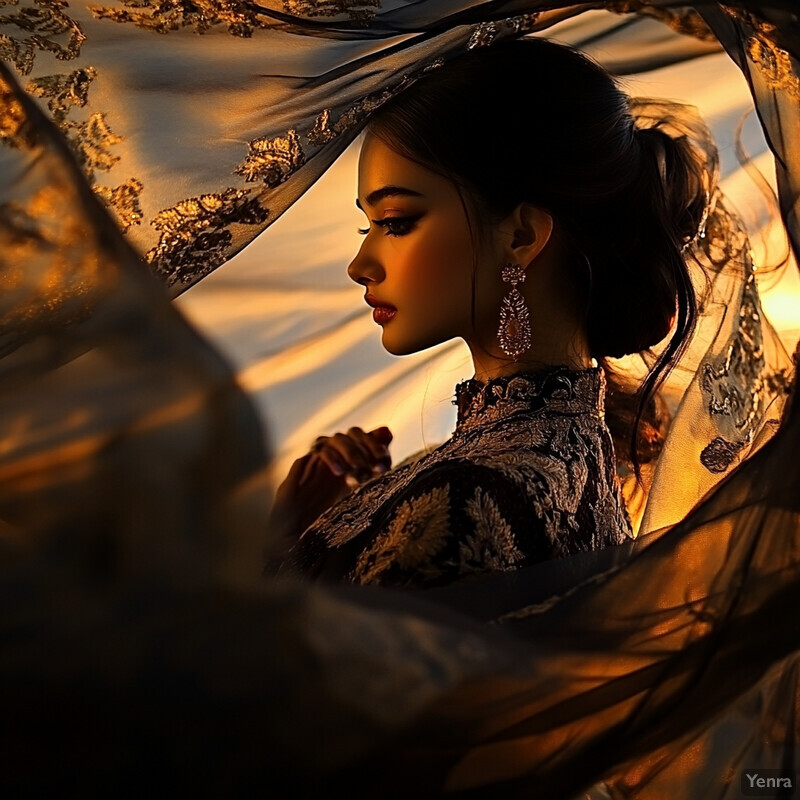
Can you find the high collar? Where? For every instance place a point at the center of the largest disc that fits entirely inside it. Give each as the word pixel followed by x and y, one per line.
pixel 557 389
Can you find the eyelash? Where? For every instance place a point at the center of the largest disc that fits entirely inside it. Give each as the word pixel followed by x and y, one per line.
pixel 405 224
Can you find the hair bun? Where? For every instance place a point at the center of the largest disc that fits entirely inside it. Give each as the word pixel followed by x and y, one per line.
pixel 678 146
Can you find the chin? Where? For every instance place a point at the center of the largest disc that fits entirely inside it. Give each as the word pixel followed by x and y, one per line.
pixel 398 346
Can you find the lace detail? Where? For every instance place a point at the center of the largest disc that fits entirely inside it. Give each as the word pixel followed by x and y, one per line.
pixel 774 63
pixel 12 118
pixel 356 10
pixel 737 384
pixel 485 33
pixel 195 234
pixel 558 389
pixel 163 16
pixel 272 160
pixel 682 20
pixel 45 21
pixel 529 474
pixel 357 113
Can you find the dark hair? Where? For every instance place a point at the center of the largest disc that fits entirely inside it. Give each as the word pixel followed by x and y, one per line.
pixel 534 121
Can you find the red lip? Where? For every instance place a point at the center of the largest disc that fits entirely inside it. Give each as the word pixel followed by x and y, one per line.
pixel 371 301
pixel 382 315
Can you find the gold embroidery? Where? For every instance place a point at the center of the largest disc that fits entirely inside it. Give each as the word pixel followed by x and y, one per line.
pixel 12 117
pixel 124 202
pixel 20 54
pixel 195 234
pixel 49 274
pixel 323 132
pixel 272 160
pixel 486 32
pixel 357 10
pixel 719 454
pixel 416 534
pixel 163 16
pixel 491 546
pixel 91 140
pixel 735 382
pixel 45 21
pixel 63 91
pixel 551 457
pixel 682 20
pixel 774 63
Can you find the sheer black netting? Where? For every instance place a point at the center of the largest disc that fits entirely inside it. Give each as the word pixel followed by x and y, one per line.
pixel 134 466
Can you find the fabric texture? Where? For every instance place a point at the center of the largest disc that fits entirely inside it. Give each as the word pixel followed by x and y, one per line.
pixel 529 474
pixel 131 461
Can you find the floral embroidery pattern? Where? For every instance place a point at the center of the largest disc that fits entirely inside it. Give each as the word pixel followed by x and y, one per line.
pixel 357 10
pixel 773 62
pixel 682 20
pixel 45 20
pixel 240 16
pixel 485 33
pixel 272 160
pixel 195 234
pixel 736 385
pixel 91 139
pixel 163 16
pixel 123 200
pixel 415 535
pixel 63 91
pixel 323 131
pixel 491 545
pixel 12 117
pixel 530 473
pixel 50 266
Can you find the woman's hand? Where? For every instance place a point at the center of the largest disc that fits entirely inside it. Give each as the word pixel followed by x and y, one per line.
pixel 318 480
pixel 354 454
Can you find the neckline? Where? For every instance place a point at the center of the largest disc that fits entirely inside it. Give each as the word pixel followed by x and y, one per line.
pixel 555 389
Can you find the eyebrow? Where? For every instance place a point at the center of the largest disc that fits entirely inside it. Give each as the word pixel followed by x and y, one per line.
pixel 388 191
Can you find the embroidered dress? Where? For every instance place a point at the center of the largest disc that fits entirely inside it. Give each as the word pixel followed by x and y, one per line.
pixel 528 475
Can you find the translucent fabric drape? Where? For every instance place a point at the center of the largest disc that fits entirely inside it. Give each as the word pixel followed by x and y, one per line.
pixel 132 463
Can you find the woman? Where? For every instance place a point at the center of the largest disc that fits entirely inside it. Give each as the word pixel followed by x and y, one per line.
pixel 548 232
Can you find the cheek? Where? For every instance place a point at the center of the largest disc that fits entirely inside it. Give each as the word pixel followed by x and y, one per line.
pixel 440 262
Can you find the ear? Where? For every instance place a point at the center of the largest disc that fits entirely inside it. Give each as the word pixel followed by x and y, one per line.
pixel 531 228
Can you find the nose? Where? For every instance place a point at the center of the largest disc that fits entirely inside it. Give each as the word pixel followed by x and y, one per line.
pixel 364 268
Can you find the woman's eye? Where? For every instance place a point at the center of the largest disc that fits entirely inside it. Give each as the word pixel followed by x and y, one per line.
pixel 398 226
pixel 395 226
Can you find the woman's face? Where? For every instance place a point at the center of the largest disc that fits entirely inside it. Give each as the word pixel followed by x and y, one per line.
pixel 417 256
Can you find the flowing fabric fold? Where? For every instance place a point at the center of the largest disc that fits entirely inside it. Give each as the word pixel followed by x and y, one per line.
pixel 131 465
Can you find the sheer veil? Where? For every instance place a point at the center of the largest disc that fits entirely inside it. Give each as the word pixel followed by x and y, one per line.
pixel 133 463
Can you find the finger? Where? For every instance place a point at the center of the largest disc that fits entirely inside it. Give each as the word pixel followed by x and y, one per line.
pixel 319 443
pixel 379 451
pixel 298 468
pixel 311 461
pixel 382 434
pixel 355 455
pixel 333 460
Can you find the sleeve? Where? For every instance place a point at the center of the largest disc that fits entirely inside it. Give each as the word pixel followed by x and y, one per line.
pixel 455 520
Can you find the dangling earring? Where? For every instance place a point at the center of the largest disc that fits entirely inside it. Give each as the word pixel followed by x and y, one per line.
pixel 514 333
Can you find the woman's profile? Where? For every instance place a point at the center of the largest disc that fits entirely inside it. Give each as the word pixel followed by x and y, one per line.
pixel 534 220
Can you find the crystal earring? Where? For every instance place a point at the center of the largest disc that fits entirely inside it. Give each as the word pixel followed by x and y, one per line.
pixel 514 333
